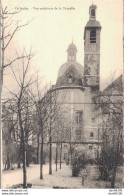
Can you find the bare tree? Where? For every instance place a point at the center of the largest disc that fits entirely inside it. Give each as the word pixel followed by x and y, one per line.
pixel 62 135
pixel 59 137
pixel 9 147
pixel 44 112
pixel 41 132
pixel 54 103
pixel 110 103
pixel 22 107
pixel 43 101
pixel 9 27
pixel 52 107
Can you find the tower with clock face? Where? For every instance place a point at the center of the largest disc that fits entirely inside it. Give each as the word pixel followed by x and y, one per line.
pixel 92 50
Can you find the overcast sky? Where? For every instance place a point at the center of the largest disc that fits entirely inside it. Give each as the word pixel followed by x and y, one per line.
pixel 51 31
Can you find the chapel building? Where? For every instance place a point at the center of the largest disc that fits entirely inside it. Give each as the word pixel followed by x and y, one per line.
pixel 78 86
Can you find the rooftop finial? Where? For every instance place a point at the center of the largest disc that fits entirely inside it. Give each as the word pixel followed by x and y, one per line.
pixel 72 39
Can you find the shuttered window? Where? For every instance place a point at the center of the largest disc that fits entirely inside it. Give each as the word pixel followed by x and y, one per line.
pixel 92 36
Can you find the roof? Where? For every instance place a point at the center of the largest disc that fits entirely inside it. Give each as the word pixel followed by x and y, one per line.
pixel 73 76
pixel 115 86
pixel 72 46
pixel 66 65
pixel 93 23
pixel 92 6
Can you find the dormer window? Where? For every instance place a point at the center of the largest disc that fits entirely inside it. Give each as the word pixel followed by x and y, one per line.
pixel 70 78
pixel 93 36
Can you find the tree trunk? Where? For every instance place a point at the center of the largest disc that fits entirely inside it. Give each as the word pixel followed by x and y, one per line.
pixel 24 168
pixel 56 155
pixel 37 149
pixel 2 52
pixel 41 159
pixel 61 155
pixel 50 157
pixel 71 153
pixel 19 156
pixel 24 159
pixel 5 166
pixel 23 142
pixel 8 163
pixel 113 178
pixel 112 184
pixel 19 165
pixel 11 164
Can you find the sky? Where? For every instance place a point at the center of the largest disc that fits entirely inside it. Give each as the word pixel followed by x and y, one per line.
pixel 53 25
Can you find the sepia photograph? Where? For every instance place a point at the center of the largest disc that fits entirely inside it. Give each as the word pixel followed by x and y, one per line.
pixel 62 110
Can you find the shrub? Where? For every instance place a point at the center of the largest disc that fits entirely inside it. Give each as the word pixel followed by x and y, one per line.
pixel 29 155
pixel 78 162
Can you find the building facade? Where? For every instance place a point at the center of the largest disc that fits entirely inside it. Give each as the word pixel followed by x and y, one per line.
pixel 76 87
pixel 75 105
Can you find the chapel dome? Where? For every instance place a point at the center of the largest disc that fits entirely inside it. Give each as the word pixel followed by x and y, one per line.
pixel 71 72
pixel 64 67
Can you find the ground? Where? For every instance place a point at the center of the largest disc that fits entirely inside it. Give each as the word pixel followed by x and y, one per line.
pixel 60 179
pixel 63 179
pixel 12 177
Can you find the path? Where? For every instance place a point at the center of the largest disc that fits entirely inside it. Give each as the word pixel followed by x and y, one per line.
pixel 12 177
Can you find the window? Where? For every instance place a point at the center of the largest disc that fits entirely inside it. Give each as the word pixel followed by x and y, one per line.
pixel 93 12
pixel 93 120
pixel 90 147
pixel 78 117
pixel 70 78
pixel 91 134
pixel 92 36
pixel 78 135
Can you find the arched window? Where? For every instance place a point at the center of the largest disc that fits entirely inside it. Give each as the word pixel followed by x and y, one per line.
pixel 93 12
pixel 92 36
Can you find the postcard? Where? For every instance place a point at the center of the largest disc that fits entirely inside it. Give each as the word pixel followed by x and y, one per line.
pixel 62 95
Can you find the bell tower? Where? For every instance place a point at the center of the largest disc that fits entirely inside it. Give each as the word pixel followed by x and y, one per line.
pixel 92 50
